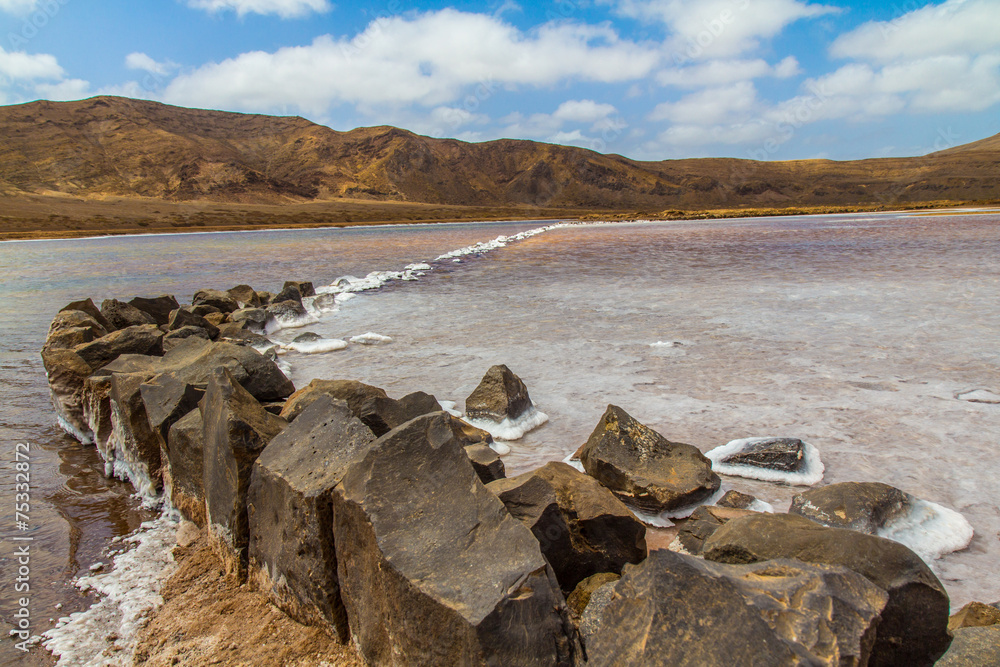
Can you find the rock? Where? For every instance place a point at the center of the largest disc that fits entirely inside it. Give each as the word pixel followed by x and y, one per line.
pixel 185 466
pixel 203 310
pixel 265 297
pixel 187 534
pixel 122 315
pixel 213 297
pixel 173 338
pixel 645 469
pixel 87 306
pixel 500 395
pixel 973 647
pixel 735 499
pixel 864 506
pixel 216 319
pixel 290 292
pixel 974 615
pixel 292 553
pixel 97 411
pixel 70 328
pixel 67 372
pixel 785 454
pixel 703 523
pixel 433 569
pixel 286 312
pixel 394 413
pixel 246 296
pixel 674 609
pixel 159 308
pixel 194 360
pixel 303 288
pixel 361 398
pixel 183 318
pixel 914 625
pixel 590 618
pixel 486 462
pixel 133 450
pixel 145 339
pixel 581 527
pixel 167 398
pixel 580 597
pixel 236 431
pixel 253 318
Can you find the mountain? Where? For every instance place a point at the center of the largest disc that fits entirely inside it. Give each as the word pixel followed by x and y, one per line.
pixel 117 147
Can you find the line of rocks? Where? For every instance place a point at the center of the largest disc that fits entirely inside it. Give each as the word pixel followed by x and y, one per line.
pixel 391 523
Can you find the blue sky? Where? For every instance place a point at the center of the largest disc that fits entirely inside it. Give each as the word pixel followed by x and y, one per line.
pixel 650 79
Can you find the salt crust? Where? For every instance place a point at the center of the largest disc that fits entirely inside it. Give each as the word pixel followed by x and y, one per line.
pixel 811 473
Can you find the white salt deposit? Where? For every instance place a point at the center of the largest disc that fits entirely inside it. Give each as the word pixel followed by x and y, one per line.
pixel 930 530
pixel 451 407
pixel 979 396
pixel 105 634
pixel 370 339
pixel 512 429
pixel 289 321
pixel 317 346
pixel 500 448
pixel 657 520
pixel 811 472
pixel 576 463
pixel 81 437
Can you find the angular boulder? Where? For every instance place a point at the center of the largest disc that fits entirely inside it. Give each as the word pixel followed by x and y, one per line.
pixel 173 338
pixel 362 398
pixel 158 307
pixel 643 468
pixel 143 339
pixel 580 525
pixel 580 597
pixel 122 315
pixel 864 506
pixel 785 454
pixel 181 318
pixel 433 570
pixel 486 462
pixel 974 615
pixel 285 312
pixel 236 430
pixel 703 523
pixel 87 306
pixel 674 609
pixel 973 647
pixel 304 288
pixel 217 298
pixel 185 465
pixel 246 296
pixel 292 553
pixel 167 398
pixel 194 360
pixel 70 328
pixel 736 499
pixel 133 449
pixel 500 395
pixel 252 318
pixel 914 625
pixel 67 372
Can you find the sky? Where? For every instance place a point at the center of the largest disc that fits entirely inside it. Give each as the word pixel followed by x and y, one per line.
pixel 648 79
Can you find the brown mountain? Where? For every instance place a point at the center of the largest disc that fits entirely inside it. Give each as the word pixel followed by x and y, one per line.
pixel 111 147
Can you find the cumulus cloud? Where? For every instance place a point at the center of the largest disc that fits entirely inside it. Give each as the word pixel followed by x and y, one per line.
pixel 283 8
pixel 721 72
pixel 426 59
pixel 18 7
pixel 141 61
pixel 710 106
pixel 67 89
pixel 18 65
pixel 583 111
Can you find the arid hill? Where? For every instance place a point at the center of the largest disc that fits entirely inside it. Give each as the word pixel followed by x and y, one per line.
pixel 117 147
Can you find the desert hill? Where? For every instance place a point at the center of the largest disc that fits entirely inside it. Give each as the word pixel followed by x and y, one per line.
pixel 118 147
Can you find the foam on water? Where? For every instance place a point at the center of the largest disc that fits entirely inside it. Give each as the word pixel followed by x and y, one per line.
pixel 105 634
pixel 811 473
pixel 317 346
pixel 451 407
pixel 512 429
pixel 370 339
pixel 280 322
pixel 930 530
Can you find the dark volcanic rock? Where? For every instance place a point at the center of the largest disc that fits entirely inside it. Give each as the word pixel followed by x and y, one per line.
pixel 486 462
pixel 158 308
pixel 183 318
pixel 864 506
pixel 185 466
pixel 285 312
pixel 785 454
pixel 246 296
pixel 213 297
pixel 292 554
pixel 237 429
pixel 194 360
pixel 735 499
pixel 973 647
pixel 674 609
pixel 122 315
pixel 204 310
pixel 393 413
pixel 643 468
pixel 500 395
pixel 914 626
pixel 145 339
pixel 168 398
pixel 580 525
pixel 703 523
pixel 173 338
pixel 87 306
pixel 253 318
pixel 136 452
pixel 433 569
pixel 290 292
pixel 70 328
pixel 304 288
pixel 362 399
pixel 67 372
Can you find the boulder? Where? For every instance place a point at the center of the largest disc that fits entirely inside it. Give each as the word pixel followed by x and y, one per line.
pixel 167 398
pixel 393 413
pixel 702 524
pixel 70 328
pixel 735 499
pixel 265 297
pixel 145 339
pixel 785 454
pixel 67 372
pixel 213 297
pixel 133 450
pixel 362 398
pixel 182 318
pixel 486 462
pixel 580 525
pixel 159 308
pixel 87 306
pixel 290 292
pixel 204 310
pixel 122 315
pixel 97 412
pixel 864 506
pixel 590 617
pixel 194 360
pixel 173 338
pixel 973 647
pixel 252 318
pixel 500 395
pixel 245 296
pixel 184 467
pixel 645 469
pixel 293 557
pixel 433 570
pixel 674 609
pixel 914 625
pixel 974 615
pixel 304 288
pixel 580 597
pixel 286 312
pixel 216 319
pixel 236 430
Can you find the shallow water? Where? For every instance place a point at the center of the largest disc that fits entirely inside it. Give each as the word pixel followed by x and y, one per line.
pixel 854 333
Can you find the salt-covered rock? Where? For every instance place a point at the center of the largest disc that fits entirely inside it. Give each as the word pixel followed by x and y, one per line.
pixel 864 506
pixel 67 372
pixel 500 395
pixel 785 460
pixel 133 450
pixel 643 468
pixel 736 499
pixel 785 454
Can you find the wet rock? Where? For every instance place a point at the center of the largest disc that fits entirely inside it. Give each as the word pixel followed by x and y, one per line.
pixel 914 625
pixel 173 338
pixel 362 399
pixel 236 431
pixel 217 298
pixel 486 462
pixel 703 523
pixel 146 339
pixel 246 296
pixel 785 454
pixel 864 506
pixel 433 569
pixel 97 411
pixel 286 312
pixel 292 553
pixel 974 615
pixel 735 499
pixel 500 395
pixel 87 306
pixel 304 288
pixel 159 308
pixel 184 470
pixel 973 647
pixel 122 315
pixel 133 449
pixel 253 318
pixel 580 597
pixel 67 372
pixel 645 469
pixel 182 318
pixel 167 398
pixel 674 609
pixel 290 292
pixel 580 525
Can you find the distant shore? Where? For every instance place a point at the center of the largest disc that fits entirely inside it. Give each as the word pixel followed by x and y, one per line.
pixel 37 217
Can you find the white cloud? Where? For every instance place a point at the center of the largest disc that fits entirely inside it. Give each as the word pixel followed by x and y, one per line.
pixel 583 111
pixel 710 106
pixel 68 89
pixel 18 7
pixel 18 65
pixel 143 62
pixel 722 72
pixel 427 59
pixel 283 8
